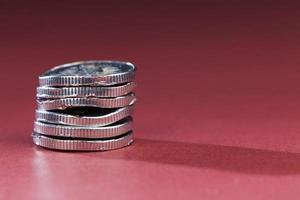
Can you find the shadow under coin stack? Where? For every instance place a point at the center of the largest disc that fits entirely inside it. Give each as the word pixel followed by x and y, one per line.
pixel 85 106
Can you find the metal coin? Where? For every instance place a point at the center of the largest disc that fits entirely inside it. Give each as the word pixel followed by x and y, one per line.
pixel 61 104
pixel 113 130
pixel 82 145
pixel 88 116
pixel 65 92
pixel 89 73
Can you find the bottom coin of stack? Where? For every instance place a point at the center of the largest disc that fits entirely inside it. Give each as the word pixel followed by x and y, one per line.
pixel 84 121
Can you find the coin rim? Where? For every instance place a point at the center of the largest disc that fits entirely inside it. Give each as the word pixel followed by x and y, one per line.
pixel 76 80
pixel 67 119
pixel 81 131
pixel 82 145
pixel 47 92
pixel 63 103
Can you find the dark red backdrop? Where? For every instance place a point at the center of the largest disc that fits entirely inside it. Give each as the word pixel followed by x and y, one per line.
pixel 219 99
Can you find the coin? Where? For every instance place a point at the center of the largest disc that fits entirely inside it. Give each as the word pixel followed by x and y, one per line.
pixel 118 128
pixel 88 116
pixel 115 102
pixel 89 73
pixel 82 144
pixel 65 92
pixel 85 106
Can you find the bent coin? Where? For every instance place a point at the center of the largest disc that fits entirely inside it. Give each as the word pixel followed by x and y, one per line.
pixel 118 128
pixel 82 145
pixel 65 92
pixel 92 73
pixel 115 102
pixel 88 116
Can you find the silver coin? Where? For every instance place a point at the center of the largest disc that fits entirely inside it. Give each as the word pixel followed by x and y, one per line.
pixel 61 104
pixel 82 145
pixel 118 128
pixel 84 116
pixel 89 73
pixel 66 92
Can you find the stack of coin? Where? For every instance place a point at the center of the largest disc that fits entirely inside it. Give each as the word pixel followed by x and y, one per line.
pixel 85 106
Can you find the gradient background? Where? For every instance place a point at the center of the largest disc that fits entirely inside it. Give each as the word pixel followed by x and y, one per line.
pixel 219 98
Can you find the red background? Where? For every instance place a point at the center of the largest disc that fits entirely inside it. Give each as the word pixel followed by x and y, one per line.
pixel 219 98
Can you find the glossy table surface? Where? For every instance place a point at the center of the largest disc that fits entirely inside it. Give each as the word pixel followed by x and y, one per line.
pixel 218 105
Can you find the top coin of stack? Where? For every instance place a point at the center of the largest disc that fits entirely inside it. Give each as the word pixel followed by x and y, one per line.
pixel 85 106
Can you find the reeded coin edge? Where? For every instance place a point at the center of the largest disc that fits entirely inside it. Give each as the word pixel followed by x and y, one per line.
pixel 82 145
pixel 110 79
pixel 87 81
pixel 46 92
pixel 64 103
pixel 83 132
pixel 67 119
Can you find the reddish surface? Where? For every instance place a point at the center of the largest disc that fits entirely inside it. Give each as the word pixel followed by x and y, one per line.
pixel 219 99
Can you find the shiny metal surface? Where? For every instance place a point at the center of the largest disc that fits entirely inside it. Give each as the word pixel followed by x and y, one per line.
pixel 64 103
pixel 82 145
pixel 101 119
pixel 65 92
pixel 113 130
pixel 89 73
